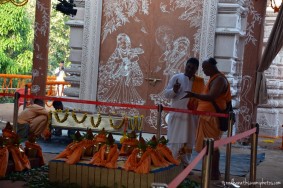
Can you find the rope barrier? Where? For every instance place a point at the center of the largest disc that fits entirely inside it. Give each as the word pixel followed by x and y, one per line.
pixel 175 182
pixel 178 179
pixel 194 112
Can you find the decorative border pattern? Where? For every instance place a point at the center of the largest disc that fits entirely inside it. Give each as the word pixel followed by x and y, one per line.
pixel 90 50
pixel 207 41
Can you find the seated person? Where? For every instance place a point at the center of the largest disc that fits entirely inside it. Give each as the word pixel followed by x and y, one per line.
pixel 33 119
pixel 58 105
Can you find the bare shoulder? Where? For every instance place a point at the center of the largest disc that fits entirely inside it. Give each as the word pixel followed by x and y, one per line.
pixel 220 83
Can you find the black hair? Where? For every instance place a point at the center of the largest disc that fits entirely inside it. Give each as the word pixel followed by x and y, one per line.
pixel 62 62
pixel 194 61
pixel 58 105
pixel 211 61
pixel 38 102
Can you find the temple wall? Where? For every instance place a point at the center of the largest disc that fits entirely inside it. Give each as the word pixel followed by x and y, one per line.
pixel 223 35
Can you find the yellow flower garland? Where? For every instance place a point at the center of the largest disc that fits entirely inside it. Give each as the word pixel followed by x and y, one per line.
pixel 64 118
pixel 116 126
pixel 76 119
pixel 98 121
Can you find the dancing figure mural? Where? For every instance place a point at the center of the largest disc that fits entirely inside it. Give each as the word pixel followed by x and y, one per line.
pixel 173 59
pixel 121 74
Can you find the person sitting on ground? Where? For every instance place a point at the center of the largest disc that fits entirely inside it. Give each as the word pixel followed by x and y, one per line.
pixel 33 119
pixel 58 105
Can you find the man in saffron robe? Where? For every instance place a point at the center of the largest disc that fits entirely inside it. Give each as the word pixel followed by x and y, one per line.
pixel 218 90
pixel 181 126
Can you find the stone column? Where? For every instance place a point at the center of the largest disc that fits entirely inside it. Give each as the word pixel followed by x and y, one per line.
pixel 41 46
pixel 85 43
pixel 230 41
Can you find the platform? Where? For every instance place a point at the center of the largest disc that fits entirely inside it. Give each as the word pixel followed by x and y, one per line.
pixel 87 175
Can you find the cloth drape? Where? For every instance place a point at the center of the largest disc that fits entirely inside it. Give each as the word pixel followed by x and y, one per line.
pixel 274 45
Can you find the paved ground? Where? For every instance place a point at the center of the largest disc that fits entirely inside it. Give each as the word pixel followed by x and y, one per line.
pixel 268 172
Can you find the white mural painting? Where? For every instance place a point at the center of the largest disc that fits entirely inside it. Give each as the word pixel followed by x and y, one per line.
pixel 120 76
pixel 175 53
pixel 246 108
pixel 122 72
pixel 192 14
pixel 118 12
pixel 256 17
pixel 44 27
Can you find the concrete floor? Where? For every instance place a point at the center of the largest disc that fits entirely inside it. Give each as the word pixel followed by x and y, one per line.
pixel 270 171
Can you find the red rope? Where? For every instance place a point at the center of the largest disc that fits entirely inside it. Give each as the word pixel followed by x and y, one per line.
pixel 123 105
pixel 217 144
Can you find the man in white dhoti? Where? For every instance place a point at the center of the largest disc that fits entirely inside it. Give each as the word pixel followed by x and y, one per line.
pixel 182 126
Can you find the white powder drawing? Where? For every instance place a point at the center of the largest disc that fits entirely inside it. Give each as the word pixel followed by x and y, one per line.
pixel 174 56
pixel 256 17
pixel 246 109
pixel 192 14
pixel 121 74
pixel 118 12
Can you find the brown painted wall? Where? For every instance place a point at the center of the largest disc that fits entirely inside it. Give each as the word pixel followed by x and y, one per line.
pixel 160 36
pixel 252 56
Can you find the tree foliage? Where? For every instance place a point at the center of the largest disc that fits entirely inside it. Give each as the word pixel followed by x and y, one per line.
pixel 15 39
pixel 17 34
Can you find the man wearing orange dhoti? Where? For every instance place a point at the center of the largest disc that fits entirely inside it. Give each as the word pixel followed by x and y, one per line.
pixel 218 90
pixel 181 126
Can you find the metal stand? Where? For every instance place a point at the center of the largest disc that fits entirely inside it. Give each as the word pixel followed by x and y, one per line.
pixel 159 110
pixel 206 168
pixel 228 151
pixel 253 154
pixel 16 111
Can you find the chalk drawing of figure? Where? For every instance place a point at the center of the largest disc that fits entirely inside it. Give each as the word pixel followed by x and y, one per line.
pixel 122 74
pixel 164 39
pixel 176 60
pixel 174 57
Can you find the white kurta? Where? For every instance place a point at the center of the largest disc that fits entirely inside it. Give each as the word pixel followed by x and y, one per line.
pixel 181 126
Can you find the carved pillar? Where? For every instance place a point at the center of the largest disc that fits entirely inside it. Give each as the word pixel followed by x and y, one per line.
pixel 76 24
pixel 85 44
pixel 40 52
pixel 229 42
pixel 270 115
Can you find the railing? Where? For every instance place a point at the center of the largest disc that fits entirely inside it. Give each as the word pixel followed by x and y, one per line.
pixel 12 82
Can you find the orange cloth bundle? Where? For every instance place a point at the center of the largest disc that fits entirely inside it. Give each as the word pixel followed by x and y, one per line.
pixel 128 145
pixel 20 159
pixel 9 133
pixel 102 158
pixel 167 154
pixel 4 155
pixel 68 151
pixel 139 164
pixel 36 147
pixel 76 155
pixel 157 158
